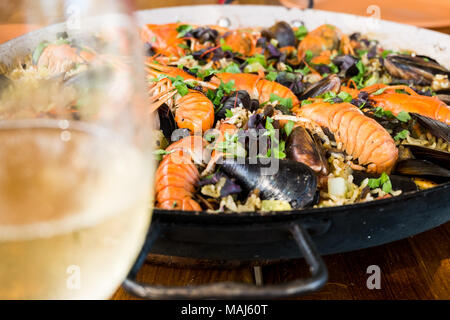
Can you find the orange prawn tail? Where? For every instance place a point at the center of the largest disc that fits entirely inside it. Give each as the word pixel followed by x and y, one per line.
pixel 163 38
pixel 395 102
pixel 361 137
pixel 195 112
pixel 177 175
pixel 256 87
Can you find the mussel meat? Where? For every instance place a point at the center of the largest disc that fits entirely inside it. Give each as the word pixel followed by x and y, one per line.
pixel 420 70
pixel 331 83
pixel 304 148
pixel 290 181
pixel 283 33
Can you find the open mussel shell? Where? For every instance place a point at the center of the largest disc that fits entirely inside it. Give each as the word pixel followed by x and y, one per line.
pixel 435 127
pixel 347 65
pixel 444 96
pixel 304 148
pixel 422 168
pixel 277 179
pixel 438 157
pixel 405 184
pixel 331 83
pixel 236 99
pixel 283 33
pixel 419 69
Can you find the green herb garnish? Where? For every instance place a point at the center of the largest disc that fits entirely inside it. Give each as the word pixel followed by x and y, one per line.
pixel 301 32
pixel 383 181
pixel 401 135
pixel 403 116
pixel 183 29
pixel 287 102
pixel 272 76
pixel 288 127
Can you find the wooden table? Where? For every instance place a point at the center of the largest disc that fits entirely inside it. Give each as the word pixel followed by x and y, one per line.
pixel 413 268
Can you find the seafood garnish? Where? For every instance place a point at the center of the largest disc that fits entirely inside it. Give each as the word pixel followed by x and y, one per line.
pixel 272 119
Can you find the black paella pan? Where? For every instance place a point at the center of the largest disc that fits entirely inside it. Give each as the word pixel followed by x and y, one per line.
pixel 307 233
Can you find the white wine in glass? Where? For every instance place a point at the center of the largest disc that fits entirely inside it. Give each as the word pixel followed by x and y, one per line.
pixel 76 155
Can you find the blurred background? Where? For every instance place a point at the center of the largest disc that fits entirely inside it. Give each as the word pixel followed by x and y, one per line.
pixel 432 14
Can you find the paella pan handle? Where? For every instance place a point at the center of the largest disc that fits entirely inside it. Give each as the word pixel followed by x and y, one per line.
pixel 317 279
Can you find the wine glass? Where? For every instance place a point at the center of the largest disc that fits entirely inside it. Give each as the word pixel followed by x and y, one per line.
pixel 76 161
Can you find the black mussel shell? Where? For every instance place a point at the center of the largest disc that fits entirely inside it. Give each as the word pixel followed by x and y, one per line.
pixel 331 83
pixel 205 34
pixel 291 181
pixel 236 99
pixel 347 65
pixel 438 157
pixel 444 96
pixel 398 182
pixel 282 32
pixel 419 69
pixel 437 128
pixel 292 81
pixel 5 82
pixel 302 147
pixel 167 122
pixel 422 168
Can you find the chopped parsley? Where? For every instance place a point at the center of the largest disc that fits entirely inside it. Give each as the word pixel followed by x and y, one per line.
pixel 277 149
pixel 286 102
pixel 305 102
pixel 228 113
pixel 308 55
pixel 231 68
pixel 183 29
pixel 177 82
pixel 301 32
pixel 160 153
pixel 288 127
pixel 272 76
pixel 383 182
pixel 380 113
pixel 258 58
pixel 217 95
pixel 401 135
pixel 304 71
pixel 359 78
pixel 231 146
pixel 403 116
pixel 386 53
pixel 346 97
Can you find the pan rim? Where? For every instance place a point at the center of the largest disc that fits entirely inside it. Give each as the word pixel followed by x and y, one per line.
pixel 256 216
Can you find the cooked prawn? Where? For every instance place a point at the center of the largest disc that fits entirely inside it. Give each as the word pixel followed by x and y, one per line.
pixel 361 137
pixel 177 175
pixel 257 87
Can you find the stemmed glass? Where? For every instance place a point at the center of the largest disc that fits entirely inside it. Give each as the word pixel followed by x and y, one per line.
pixel 76 151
